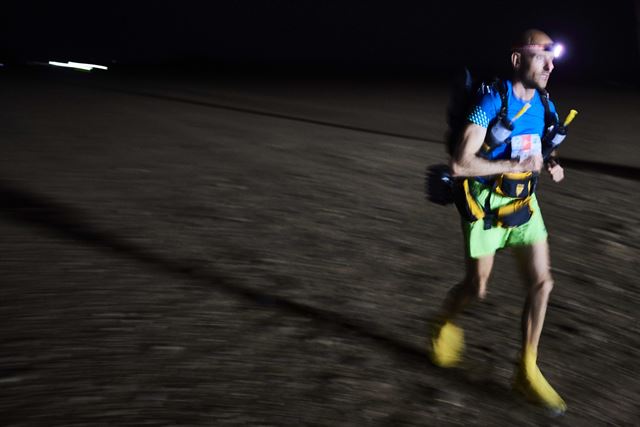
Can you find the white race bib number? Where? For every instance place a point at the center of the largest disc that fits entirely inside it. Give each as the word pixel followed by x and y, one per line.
pixel 523 146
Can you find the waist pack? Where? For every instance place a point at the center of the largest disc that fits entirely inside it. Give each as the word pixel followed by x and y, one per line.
pixel 512 214
pixel 519 185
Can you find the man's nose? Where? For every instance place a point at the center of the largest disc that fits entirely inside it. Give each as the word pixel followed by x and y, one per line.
pixel 548 66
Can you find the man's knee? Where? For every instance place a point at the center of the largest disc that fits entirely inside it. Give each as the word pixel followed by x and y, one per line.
pixel 543 286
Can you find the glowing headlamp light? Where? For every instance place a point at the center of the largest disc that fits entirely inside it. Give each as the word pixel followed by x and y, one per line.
pixel 556 48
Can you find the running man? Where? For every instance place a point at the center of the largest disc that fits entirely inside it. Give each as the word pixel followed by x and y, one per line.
pixel 503 210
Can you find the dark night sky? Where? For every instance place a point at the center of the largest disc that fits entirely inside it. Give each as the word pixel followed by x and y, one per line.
pixel 407 36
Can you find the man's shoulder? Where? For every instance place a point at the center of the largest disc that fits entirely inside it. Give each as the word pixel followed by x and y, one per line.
pixel 491 94
pixel 488 100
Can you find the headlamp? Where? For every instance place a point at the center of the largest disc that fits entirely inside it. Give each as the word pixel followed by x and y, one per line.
pixel 556 48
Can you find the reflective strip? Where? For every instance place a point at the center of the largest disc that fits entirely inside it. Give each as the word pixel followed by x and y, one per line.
pixel 508 221
pixel 516 175
pixel 475 208
pixel 512 207
pixel 498 185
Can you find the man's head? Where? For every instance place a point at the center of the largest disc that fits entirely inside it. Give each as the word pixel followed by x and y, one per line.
pixel 532 58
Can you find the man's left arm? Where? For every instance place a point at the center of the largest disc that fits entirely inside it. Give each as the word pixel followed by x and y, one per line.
pixel 552 165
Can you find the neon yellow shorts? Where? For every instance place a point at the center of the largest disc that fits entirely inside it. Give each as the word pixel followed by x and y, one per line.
pixel 480 242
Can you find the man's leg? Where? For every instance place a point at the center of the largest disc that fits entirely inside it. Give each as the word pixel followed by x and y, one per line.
pixel 474 285
pixel 534 263
pixel 448 339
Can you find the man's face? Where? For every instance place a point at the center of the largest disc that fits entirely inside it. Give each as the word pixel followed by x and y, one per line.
pixel 536 66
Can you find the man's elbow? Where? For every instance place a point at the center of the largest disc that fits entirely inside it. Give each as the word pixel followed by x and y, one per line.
pixel 457 168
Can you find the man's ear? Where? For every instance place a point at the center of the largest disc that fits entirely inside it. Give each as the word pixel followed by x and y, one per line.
pixel 516 59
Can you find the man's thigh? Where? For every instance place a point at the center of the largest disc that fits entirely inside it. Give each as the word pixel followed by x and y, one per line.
pixel 531 232
pixel 534 261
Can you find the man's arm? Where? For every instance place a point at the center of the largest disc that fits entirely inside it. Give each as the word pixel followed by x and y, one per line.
pixel 465 161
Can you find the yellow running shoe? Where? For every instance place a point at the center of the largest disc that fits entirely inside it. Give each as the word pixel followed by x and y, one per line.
pixel 532 384
pixel 447 344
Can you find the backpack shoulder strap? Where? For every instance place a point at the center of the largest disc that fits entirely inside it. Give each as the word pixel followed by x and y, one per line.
pixel 550 119
pixel 501 86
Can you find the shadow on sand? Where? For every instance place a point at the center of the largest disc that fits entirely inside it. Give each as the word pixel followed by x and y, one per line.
pixel 28 208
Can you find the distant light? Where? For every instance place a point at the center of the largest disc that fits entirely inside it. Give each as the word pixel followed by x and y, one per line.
pixel 78 65
pixel 66 65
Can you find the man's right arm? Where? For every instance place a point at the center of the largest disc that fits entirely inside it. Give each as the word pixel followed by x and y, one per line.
pixel 466 162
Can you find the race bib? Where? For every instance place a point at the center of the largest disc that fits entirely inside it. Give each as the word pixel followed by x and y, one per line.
pixel 523 146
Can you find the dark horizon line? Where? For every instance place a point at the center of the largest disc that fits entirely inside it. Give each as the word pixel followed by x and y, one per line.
pixel 626 77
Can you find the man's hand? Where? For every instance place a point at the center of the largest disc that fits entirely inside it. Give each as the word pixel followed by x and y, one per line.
pixel 530 164
pixel 555 170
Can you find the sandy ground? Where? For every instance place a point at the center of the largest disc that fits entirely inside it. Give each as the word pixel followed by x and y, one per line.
pixel 222 251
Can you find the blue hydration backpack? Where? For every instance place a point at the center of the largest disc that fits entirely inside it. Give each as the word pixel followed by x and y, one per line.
pixel 466 92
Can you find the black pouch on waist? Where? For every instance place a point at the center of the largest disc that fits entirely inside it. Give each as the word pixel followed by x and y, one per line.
pixel 514 214
pixel 439 184
pixel 518 185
